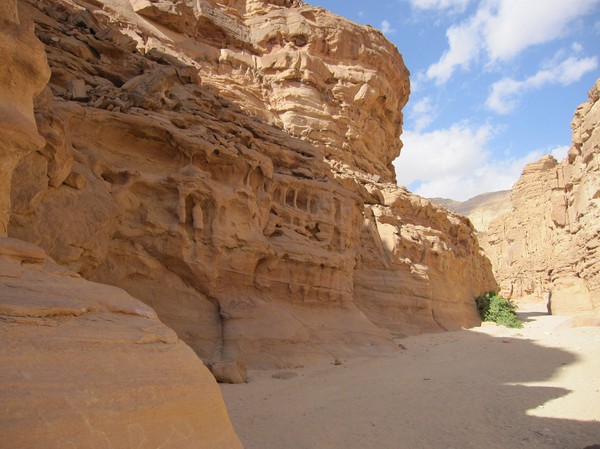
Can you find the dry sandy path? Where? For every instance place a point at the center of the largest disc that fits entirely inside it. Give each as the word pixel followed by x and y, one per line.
pixel 491 387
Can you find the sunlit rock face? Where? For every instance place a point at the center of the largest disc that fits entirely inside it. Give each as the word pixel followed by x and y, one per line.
pixel 546 247
pixel 320 77
pixel 87 365
pixel 230 165
pixel 83 364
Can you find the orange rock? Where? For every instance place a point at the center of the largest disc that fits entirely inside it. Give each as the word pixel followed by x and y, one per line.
pixel 86 365
pixel 83 364
pixel 234 173
pixel 23 74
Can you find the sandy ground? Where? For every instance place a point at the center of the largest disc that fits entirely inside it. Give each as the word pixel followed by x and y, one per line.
pixel 489 387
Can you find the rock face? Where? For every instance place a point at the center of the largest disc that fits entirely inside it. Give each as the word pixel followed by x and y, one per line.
pixel 83 364
pixel 419 266
pixel 86 365
pixel 230 165
pixel 547 246
pixel 332 82
pixel 24 66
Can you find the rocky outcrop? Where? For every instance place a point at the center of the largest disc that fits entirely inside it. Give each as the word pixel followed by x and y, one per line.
pixel 230 165
pixel 83 364
pixel 547 246
pixel 86 365
pixel 318 76
pixel 418 266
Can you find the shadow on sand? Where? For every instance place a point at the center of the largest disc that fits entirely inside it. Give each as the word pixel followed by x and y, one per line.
pixel 528 317
pixel 478 398
pixel 452 390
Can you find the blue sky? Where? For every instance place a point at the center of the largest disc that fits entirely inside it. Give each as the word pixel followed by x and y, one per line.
pixel 494 84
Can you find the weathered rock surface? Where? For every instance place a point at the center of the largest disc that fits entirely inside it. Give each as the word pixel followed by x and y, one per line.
pixel 86 365
pixel 547 246
pixel 318 76
pixel 230 165
pixel 412 254
pixel 23 74
pixel 83 364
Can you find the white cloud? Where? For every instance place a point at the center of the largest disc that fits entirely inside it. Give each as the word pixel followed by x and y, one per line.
pixel 455 163
pixel 465 46
pixel 422 113
pixel 459 5
pixel 417 81
pixel 386 27
pixel 505 95
pixel 520 24
pixel 507 92
pixel 576 47
pixel 501 29
pixel 559 152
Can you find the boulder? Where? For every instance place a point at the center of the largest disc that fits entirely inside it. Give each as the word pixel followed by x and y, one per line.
pixel 87 365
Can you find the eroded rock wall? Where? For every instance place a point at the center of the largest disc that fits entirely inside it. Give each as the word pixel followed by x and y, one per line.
pixel 318 76
pixel 419 266
pixel 230 165
pixel 87 365
pixel 83 364
pixel 546 247
pixel 23 74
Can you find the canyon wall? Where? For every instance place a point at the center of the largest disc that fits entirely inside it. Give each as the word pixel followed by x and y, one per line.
pixel 547 246
pixel 86 365
pixel 83 364
pixel 230 165
pixel 23 74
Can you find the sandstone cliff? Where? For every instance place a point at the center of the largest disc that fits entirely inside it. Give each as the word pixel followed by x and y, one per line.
pixel 86 365
pixel 230 165
pixel 83 364
pixel 546 247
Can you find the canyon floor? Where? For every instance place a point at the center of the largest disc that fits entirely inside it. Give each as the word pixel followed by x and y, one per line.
pixel 492 387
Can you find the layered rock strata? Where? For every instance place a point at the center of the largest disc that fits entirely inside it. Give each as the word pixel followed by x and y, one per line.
pixel 419 266
pixel 83 364
pixel 86 365
pixel 230 165
pixel 546 247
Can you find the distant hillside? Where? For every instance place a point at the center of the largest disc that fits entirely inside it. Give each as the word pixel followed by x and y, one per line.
pixel 480 209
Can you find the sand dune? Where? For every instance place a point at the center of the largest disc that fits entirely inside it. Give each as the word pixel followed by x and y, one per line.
pixel 489 387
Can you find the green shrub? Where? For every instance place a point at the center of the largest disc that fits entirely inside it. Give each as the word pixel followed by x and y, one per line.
pixel 493 307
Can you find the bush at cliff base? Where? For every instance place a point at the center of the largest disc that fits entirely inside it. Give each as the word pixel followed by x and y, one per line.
pixel 493 307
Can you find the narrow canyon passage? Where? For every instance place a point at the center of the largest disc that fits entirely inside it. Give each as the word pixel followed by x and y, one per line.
pixel 492 387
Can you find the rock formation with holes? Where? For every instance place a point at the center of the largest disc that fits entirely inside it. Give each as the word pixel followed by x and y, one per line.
pixel 547 247
pixel 83 364
pixel 230 164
